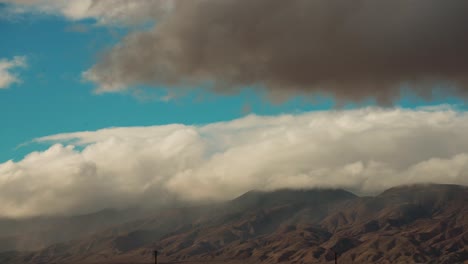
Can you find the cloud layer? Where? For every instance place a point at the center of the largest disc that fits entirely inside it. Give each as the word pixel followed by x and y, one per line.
pixel 364 150
pixel 353 50
pixel 7 68
pixel 105 12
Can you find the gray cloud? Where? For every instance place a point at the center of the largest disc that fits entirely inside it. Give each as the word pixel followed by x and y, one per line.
pixel 349 49
pixel 366 150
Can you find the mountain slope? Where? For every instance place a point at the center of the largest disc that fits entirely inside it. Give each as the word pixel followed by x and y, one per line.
pixel 410 224
pixel 36 233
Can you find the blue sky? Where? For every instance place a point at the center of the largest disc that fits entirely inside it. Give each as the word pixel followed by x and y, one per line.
pixel 52 97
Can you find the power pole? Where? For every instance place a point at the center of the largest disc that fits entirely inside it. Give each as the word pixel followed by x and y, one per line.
pixel 335 255
pixel 155 254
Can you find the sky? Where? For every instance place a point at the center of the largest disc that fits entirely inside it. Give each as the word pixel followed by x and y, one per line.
pixel 204 100
pixel 51 97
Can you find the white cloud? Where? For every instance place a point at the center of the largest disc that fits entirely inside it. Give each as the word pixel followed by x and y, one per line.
pixel 7 67
pixel 103 11
pixel 364 150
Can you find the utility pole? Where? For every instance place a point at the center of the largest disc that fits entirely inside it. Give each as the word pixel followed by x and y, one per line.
pixel 155 254
pixel 335 255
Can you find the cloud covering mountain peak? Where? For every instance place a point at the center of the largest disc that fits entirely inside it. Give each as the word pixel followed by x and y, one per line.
pixel 365 150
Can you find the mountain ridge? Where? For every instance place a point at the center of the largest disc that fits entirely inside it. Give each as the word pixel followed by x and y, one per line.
pixel 405 224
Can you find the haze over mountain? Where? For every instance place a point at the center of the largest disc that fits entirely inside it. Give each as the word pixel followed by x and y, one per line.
pixel 406 224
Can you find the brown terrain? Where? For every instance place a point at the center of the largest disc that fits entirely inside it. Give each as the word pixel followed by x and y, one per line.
pixel 408 224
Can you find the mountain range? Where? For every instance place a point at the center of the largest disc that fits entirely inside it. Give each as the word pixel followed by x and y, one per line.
pixel 426 223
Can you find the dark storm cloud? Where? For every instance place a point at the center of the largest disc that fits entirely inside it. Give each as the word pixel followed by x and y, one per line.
pixel 352 50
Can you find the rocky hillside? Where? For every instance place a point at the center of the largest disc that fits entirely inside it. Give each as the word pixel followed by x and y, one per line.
pixel 410 224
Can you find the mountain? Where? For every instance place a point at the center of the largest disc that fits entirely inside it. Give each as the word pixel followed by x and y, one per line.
pixel 406 224
pixel 37 232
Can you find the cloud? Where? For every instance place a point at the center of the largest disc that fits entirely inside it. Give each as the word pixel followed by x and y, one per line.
pixel 78 28
pixel 365 150
pixel 7 68
pixel 352 50
pixel 105 12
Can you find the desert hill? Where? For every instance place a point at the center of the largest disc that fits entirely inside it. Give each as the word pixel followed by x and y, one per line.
pixel 407 224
